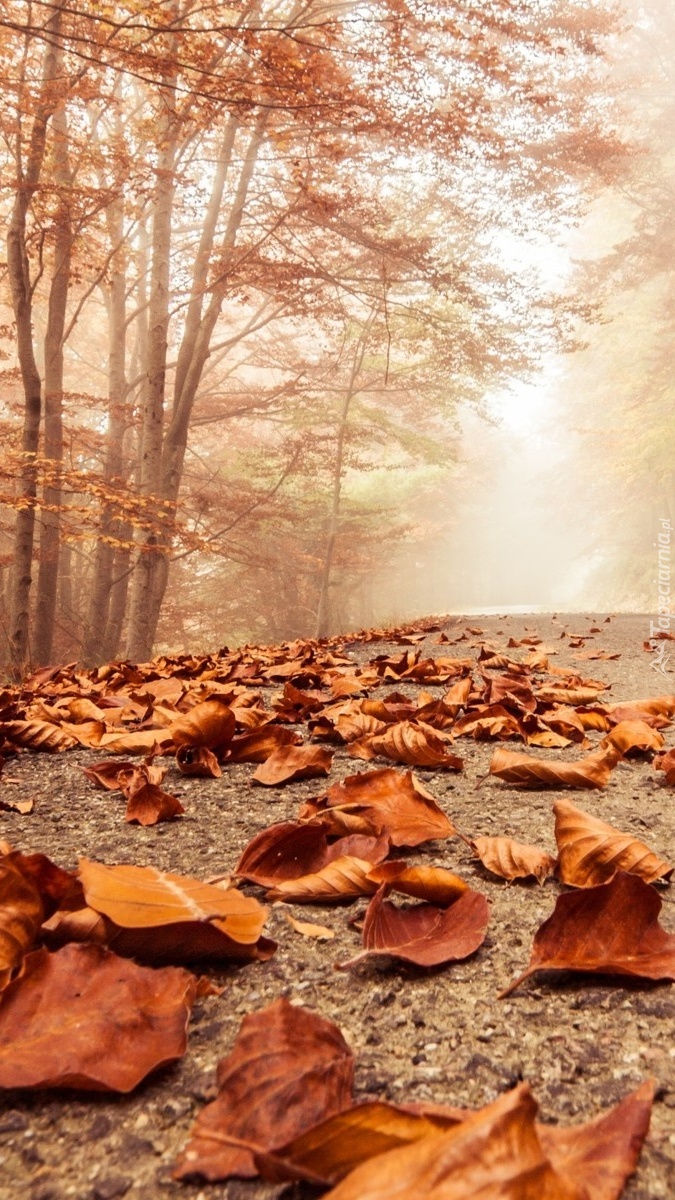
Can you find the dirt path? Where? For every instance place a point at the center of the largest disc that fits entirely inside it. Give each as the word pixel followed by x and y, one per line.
pixel 440 1036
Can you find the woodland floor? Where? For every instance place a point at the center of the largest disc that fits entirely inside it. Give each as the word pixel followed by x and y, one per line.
pixel 440 1035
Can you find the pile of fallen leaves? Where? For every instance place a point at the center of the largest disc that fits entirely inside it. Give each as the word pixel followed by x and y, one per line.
pixel 95 990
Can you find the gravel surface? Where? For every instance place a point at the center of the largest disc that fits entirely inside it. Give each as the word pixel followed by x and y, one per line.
pixel 437 1035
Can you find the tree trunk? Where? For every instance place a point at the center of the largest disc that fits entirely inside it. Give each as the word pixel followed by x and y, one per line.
pixel 323 616
pixel 47 585
pixel 151 579
pixel 18 270
pixel 112 530
pixel 150 566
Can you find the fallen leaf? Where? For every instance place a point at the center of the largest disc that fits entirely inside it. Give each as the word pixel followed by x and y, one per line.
pixel 24 807
pixel 289 763
pixel 38 735
pixel 198 761
pixel 436 885
pixel 593 771
pixel 84 1018
pixel 513 860
pixel 145 897
pixel 629 736
pixel 106 774
pixel 295 848
pixel 600 1154
pixel 611 929
pixel 342 879
pixel 308 929
pixel 21 914
pixel 256 746
pixel 590 850
pixel 384 800
pixel 407 742
pixel 496 1154
pixel 423 933
pixel 327 1152
pixel 288 1070
pixel 666 762
pixel 209 724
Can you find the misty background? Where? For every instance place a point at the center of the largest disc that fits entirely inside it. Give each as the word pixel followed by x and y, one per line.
pixel 371 320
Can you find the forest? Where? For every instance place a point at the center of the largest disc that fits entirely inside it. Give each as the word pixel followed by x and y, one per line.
pixel 321 314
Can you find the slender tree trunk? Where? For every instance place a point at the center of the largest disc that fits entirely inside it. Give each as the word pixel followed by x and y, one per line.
pixel 150 567
pixel 47 584
pixel 20 285
pixel 323 616
pixel 111 528
pixel 192 358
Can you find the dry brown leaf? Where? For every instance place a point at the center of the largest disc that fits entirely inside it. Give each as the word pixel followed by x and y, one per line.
pixel 38 735
pixel 198 762
pixel 342 879
pixel 600 1154
pixel 256 746
pixel 495 1154
pixel 21 914
pixel 209 724
pixel 666 762
pixel 84 1018
pixel 522 770
pixel 631 736
pixel 24 807
pixel 611 929
pixel 289 763
pixel 423 934
pixel 590 850
pixel 106 774
pixel 513 860
pixel 389 800
pixel 309 929
pixel 407 742
pixel 436 885
pixel 145 898
pixel 289 1069
pixel 295 848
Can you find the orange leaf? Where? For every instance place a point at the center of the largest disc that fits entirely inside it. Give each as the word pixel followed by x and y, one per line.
pixel 84 1018
pixel 611 929
pixel 309 929
pixel 342 879
pixel 513 860
pixel 593 771
pixel 494 1153
pixel 386 799
pixel 289 1069
pixel 424 935
pixel 436 885
pixel 21 913
pixel 629 736
pixel 406 742
pixel 294 848
pixel 257 745
pixel 144 897
pixel 198 761
pixel 209 724
pixel 666 762
pixel 289 763
pixel 590 850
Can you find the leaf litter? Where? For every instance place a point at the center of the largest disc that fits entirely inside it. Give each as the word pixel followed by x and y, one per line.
pixel 460 1053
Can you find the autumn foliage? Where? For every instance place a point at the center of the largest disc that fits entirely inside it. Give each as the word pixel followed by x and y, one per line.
pixel 109 944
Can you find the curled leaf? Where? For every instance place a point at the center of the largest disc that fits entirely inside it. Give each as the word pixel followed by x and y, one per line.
pixel 436 885
pixel 590 850
pixel 611 929
pixel 342 879
pixel 209 724
pixel 513 860
pixel 424 934
pixel 593 771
